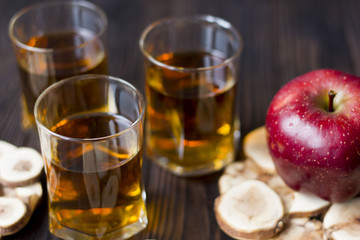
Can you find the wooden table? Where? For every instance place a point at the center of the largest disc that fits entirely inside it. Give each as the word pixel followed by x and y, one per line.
pixel 283 38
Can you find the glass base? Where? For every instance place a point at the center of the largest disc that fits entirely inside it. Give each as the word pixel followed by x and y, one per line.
pixel 193 171
pixel 120 234
pixel 201 169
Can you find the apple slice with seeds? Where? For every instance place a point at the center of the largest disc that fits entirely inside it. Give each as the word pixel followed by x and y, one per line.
pixel 250 210
pixel 256 149
pixel 21 167
pixel 341 221
pixel 13 215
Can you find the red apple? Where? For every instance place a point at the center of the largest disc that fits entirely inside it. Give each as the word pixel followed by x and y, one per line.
pixel 313 126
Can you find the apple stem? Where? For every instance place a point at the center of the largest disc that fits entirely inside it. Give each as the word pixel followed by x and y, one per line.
pixel 332 95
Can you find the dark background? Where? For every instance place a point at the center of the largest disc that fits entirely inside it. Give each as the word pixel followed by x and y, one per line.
pixel 282 39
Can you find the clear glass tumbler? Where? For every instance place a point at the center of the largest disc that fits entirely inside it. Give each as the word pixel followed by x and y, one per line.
pixel 91 135
pixel 55 40
pixel 191 67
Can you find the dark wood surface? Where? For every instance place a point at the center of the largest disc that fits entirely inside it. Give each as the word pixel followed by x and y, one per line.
pixel 283 38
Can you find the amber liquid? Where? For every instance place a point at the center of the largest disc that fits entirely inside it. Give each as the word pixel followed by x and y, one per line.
pixel 190 114
pixel 39 70
pixel 95 189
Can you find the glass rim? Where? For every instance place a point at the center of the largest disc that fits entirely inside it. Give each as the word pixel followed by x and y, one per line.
pixel 35 6
pixel 201 18
pixel 84 77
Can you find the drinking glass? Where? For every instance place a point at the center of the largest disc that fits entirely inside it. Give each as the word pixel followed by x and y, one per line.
pixel 91 134
pixel 191 68
pixel 54 40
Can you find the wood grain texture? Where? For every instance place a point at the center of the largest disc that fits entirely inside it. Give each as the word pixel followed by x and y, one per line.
pixel 282 39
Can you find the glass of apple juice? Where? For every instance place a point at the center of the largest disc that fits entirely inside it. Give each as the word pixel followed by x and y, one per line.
pixel 191 69
pixel 91 134
pixel 53 40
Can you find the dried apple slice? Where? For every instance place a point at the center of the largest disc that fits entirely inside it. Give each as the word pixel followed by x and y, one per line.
pixel 30 194
pixel 236 173
pixel 286 194
pixel 341 221
pixel 6 148
pixel 250 210
pixel 21 167
pixel 302 229
pixel 13 215
pixel 9 192
pixel 237 167
pixel 255 148
pixel 307 205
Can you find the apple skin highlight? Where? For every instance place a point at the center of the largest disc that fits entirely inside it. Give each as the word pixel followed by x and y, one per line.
pixel 315 150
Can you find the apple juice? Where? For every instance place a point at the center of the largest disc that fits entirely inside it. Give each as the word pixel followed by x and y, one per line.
pixel 95 189
pixel 65 61
pixel 190 114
